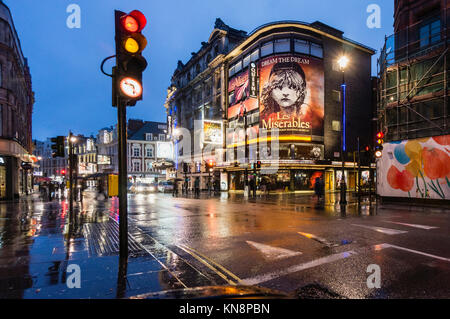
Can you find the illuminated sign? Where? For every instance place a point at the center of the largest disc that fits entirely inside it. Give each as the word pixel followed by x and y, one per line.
pixel 103 160
pixel 253 80
pixel 164 150
pixel 212 132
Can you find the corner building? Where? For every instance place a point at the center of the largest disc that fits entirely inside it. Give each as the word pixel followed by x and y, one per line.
pixel 282 75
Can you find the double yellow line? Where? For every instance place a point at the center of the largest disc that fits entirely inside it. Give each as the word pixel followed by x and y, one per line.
pixel 221 271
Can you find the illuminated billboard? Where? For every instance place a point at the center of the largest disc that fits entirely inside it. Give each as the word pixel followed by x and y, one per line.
pixel 238 96
pixel 212 132
pixel 291 95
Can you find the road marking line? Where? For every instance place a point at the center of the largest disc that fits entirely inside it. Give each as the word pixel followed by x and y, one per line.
pixel 215 263
pixel 204 261
pixel 413 225
pixel 387 231
pixel 270 252
pixel 321 261
pixel 416 252
pixel 319 239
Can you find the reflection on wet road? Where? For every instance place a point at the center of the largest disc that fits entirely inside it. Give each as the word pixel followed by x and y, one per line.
pixel 281 242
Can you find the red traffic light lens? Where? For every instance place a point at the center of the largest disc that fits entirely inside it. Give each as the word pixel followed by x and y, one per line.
pixel 135 21
pixel 130 24
pixel 380 135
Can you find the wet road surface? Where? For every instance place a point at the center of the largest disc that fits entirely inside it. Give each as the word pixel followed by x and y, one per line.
pixel 282 242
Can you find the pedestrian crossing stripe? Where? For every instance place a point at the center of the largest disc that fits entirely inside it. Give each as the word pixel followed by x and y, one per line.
pixel 383 230
pixel 413 225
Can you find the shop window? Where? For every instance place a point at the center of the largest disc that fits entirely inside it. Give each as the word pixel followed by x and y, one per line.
pixel 282 45
pixel 301 46
pixel 267 48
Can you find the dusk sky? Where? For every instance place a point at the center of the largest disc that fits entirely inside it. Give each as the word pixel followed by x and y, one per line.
pixel 72 93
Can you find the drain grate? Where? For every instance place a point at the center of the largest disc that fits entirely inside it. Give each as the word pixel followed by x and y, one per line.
pixel 103 239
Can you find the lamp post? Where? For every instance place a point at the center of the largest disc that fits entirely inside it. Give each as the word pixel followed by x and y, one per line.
pixel 343 62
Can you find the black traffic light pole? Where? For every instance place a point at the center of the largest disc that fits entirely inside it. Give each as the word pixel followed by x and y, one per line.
pixel 71 217
pixel 123 176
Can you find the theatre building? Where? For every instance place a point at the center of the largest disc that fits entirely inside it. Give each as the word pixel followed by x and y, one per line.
pixel 282 85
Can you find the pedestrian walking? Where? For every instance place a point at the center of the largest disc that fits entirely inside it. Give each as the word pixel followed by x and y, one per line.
pixel 175 188
pixel 197 187
pixel 317 187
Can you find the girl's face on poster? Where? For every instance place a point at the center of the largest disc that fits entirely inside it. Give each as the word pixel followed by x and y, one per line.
pixel 286 95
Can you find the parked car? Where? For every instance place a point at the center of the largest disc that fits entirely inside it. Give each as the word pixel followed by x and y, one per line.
pixel 144 188
pixel 165 186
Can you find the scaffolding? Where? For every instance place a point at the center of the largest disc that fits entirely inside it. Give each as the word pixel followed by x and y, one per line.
pixel 413 81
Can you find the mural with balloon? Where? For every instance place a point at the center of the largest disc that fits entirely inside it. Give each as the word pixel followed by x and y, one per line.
pixel 418 168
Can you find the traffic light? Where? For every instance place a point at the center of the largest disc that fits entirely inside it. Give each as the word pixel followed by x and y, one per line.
pixel 379 145
pixel 57 146
pixel 185 167
pixel 210 165
pixel 63 172
pixel 127 81
pixel 258 164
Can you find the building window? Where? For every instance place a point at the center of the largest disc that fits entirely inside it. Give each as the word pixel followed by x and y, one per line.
pixel 136 152
pixel 430 33
pixel 162 137
pixel 148 136
pixel 336 95
pixel 255 56
pixel 238 67
pixel 316 50
pixel 149 166
pixel 231 71
pixel 267 48
pixel 336 126
pixel 136 166
pixel 301 46
pixel 150 151
pixel 246 61
pixel 282 45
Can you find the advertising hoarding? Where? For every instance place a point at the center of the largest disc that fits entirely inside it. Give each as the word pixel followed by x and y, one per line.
pixel 291 95
pixel 418 168
pixel 212 132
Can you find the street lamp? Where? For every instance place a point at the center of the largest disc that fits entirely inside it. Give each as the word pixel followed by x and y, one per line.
pixel 343 62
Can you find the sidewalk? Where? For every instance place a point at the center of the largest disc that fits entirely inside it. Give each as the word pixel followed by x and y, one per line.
pixel 36 247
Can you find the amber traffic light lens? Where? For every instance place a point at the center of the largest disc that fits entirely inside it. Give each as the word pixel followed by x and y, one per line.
pixel 131 45
pixel 130 24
